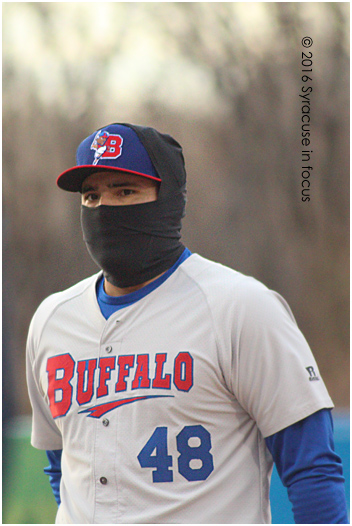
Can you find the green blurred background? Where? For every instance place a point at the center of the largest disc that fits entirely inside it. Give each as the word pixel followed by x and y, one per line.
pixel 224 79
pixel 27 496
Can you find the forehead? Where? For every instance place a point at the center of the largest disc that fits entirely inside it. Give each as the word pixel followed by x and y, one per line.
pixel 106 178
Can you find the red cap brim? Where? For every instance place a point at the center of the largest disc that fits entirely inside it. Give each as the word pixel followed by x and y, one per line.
pixel 71 180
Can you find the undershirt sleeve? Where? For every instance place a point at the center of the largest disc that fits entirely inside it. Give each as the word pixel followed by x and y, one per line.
pixel 311 470
pixel 54 472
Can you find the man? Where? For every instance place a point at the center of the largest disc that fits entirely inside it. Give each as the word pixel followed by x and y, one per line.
pixel 164 386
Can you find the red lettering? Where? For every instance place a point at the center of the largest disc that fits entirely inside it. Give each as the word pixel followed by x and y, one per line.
pixel 159 382
pixel 141 378
pixel 85 380
pixel 106 365
pixel 61 369
pixel 60 386
pixel 183 371
pixel 113 147
pixel 125 363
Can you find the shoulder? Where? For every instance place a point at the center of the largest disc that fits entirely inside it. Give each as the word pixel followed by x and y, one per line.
pixel 228 291
pixel 210 273
pixel 219 280
pixel 64 299
pixel 59 298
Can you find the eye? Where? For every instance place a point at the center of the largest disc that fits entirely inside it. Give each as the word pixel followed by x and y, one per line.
pixel 127 191
pixel 90 197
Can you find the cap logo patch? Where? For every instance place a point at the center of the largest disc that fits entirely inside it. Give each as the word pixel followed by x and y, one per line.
pixel 106 146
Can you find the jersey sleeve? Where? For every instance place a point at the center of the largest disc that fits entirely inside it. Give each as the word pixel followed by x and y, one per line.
pixel 45 433
pixel 276 378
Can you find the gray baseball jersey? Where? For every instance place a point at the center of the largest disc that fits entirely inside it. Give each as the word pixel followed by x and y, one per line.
pixel 162 410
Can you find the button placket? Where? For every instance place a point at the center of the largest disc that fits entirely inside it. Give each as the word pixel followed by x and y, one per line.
pixel 111 338
pixel 106 502
pixel 105 468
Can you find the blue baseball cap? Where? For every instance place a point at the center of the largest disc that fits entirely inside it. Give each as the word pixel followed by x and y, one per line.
pixel 113 147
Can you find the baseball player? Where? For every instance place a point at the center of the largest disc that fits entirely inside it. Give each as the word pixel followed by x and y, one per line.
pixel 165 386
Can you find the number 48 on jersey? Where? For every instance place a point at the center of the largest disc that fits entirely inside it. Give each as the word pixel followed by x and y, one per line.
pixel 163 462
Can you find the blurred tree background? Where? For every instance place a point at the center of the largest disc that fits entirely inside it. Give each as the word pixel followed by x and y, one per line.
pixel 224 79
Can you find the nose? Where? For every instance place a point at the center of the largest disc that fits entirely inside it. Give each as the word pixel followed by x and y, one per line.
pixel 105 199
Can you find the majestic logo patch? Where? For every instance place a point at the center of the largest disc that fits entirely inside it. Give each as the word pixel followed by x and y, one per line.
pixel 312 374
pixel 106 146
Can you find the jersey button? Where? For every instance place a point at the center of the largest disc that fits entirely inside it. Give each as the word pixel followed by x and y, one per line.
pixel 108 349
pixel 103 480
pixel 105 422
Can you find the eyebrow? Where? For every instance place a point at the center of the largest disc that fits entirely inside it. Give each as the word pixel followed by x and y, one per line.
pixel 89 188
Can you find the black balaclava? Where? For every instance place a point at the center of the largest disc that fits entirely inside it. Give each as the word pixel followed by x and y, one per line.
pixel 132 243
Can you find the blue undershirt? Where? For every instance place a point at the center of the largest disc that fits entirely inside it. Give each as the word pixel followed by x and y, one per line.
pixel 303 453
pixel 311 470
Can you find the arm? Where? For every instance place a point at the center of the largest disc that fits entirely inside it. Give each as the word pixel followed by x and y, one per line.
pixel 54 472
pixel 311 470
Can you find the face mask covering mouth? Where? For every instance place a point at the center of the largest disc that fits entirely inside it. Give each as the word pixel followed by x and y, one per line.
pixel 133 244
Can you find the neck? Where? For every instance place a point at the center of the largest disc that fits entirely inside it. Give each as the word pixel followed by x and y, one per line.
pixel 112 290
